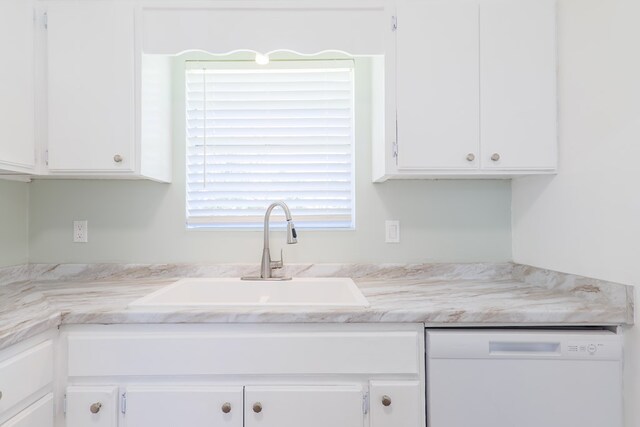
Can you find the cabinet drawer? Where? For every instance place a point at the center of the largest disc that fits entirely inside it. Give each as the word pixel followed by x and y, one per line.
pixel 40 414
pixel 24 374
pixel 236 351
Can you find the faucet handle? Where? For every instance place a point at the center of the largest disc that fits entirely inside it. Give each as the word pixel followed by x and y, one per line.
pixel 279 263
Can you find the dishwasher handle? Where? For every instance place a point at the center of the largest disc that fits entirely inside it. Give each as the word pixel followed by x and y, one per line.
pixel 524 348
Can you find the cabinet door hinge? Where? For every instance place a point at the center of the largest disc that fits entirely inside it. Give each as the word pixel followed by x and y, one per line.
pixel 365 403
pixel 395 143
pixel 394 23
pixel 45 20
pixel 395 151
pixel 46 157
pixel 123 403
pixel 64 404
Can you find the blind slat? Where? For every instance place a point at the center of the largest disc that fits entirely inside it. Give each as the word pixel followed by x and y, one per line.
pixel 197 152
pixel 267 141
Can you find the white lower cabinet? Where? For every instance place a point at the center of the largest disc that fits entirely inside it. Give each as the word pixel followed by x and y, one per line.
pixel 40 414
pixel 384 403
pixel 245 375
pixel 26 376
pixel 309 406
pixel 193 406
pixel 396 404
pixel 95 406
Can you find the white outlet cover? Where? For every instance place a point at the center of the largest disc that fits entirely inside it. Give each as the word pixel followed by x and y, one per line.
pixel 80 231
pixel 392 231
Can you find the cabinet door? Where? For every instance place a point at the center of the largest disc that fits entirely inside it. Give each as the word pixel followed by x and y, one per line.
pixel 40 414
pixel 437 84
pixel 397 404
pixel 24 375
pixel 308 406
pixel 17 85
pixel 90 86
pixel 95 406
pixel 193 406
pixel 518 84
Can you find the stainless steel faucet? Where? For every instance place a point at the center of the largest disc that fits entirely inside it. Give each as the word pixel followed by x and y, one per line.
pixel 267 266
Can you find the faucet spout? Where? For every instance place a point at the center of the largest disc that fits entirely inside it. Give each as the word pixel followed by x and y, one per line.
pixel 291 230
pixel 267 265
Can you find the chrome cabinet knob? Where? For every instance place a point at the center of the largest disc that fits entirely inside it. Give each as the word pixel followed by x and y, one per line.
pixel 471 157
pixel 257 407
pixel 495 157
pixel 386 400
pixel 226 407
pixel 95 408
pixel 117 158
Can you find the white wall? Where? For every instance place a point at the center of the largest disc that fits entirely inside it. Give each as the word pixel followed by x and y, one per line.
pixel 143 222
pixel 14 201
pixel 586 220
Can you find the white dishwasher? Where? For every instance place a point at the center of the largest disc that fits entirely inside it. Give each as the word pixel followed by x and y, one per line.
pixel 524 378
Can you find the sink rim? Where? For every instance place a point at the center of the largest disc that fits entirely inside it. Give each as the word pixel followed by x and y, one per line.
pixel 358 301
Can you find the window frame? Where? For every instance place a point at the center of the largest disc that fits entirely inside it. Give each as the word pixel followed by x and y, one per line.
pixel 309 63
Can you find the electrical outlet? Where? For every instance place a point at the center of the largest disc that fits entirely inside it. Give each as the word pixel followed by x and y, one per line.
pixel 392 231
pixel 80 231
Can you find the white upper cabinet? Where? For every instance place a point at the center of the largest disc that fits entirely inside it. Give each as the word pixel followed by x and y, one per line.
pixel 475 84
pixel 90 86
pixel 518 84
pixel 17 111
pixel 437 84
pixel 96 121
pixel 466 87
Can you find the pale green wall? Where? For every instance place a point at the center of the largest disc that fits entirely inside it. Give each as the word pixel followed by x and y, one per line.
pixel 14 203
pixel 143 222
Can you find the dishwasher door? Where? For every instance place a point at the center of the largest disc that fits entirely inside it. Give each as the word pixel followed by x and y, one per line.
pixel 480 378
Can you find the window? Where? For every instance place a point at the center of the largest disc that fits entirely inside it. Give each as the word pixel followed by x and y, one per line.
pixel 256 134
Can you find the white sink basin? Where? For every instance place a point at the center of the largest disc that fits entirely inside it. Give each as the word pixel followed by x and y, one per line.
pixel 233 292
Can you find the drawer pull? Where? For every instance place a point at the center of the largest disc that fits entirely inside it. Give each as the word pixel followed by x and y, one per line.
pixel 386 400
pixel 226 407
pixel 471 157
pixel 495 157
pixel 118 158
pixel 95 408
pixel 257 407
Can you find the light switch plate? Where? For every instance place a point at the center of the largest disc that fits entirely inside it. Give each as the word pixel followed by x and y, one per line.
pixel 392 231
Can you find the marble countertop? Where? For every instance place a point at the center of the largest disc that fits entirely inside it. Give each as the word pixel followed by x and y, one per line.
pixel 36 298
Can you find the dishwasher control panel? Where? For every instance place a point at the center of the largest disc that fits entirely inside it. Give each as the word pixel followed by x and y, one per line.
pixel 591 349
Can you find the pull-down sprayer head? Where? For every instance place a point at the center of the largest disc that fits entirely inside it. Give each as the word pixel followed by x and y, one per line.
pixel 292 235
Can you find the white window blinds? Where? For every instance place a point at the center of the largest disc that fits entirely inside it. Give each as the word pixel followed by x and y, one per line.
pixel 258 134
